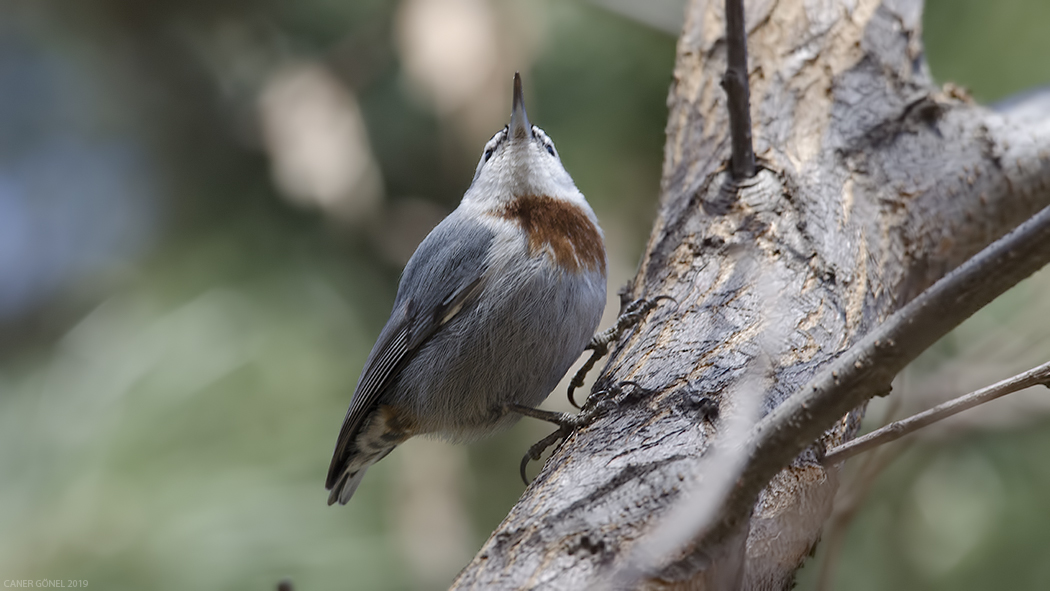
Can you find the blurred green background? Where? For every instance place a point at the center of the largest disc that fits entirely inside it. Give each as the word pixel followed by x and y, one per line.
pixel 204 209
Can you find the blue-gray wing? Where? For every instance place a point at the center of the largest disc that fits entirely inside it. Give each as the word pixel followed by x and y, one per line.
pixel 440 280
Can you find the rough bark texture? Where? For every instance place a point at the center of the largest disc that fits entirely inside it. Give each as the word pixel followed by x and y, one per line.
pixel 873 185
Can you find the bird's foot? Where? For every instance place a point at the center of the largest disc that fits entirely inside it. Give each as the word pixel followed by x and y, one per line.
pixel 567 423
pixel 634 313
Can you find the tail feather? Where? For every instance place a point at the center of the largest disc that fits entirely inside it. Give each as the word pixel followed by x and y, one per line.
pixel 346 485
pixel 349 465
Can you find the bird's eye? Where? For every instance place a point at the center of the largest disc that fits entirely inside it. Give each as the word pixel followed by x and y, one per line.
pixel 488 154
pixel 550 149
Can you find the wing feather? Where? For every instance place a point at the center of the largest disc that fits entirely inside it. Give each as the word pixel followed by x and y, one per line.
pixel 440 281
pixel 386 356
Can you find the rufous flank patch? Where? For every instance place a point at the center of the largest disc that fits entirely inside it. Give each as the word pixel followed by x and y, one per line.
pixel 397 424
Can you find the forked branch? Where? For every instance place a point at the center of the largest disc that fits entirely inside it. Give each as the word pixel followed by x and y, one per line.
pixel 875 183
pixel 866 369
pixel 897 429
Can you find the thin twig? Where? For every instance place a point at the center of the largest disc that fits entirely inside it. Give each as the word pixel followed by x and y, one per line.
pixel 868 367
pixel 898 429
pixel 738 95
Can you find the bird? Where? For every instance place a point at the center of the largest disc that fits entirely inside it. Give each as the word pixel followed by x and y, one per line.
pixel 492 309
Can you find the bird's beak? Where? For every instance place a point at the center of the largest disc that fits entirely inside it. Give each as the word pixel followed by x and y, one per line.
pixel 519 121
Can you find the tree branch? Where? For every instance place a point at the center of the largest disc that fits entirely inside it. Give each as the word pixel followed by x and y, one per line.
pixel 866 369
pixel 897 429
pixel 735 83
pixel 875 183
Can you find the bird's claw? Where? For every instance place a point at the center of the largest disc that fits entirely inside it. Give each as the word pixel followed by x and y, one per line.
pixel 567 423
pixel 536 450
pixel 631 316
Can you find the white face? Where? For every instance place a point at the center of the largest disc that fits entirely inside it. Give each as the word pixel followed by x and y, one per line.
pixel 511 166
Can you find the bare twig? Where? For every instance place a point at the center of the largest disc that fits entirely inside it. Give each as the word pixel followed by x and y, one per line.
pixel 898 429
pixel 738 94
pixel 867 368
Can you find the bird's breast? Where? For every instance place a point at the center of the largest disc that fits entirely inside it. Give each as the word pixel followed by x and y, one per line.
pixel 559 227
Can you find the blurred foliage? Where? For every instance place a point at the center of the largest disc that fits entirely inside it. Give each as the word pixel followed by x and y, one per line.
pixel 993 49
pixel 169 400
pixel 179 339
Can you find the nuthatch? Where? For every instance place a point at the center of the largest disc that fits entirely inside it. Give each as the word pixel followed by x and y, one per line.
pixel 493 307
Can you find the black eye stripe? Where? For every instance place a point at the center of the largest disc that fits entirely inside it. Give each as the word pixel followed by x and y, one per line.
pixel 495 141
pixel 501 136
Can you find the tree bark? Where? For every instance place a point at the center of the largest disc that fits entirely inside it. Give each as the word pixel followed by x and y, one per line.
pixel 872 185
